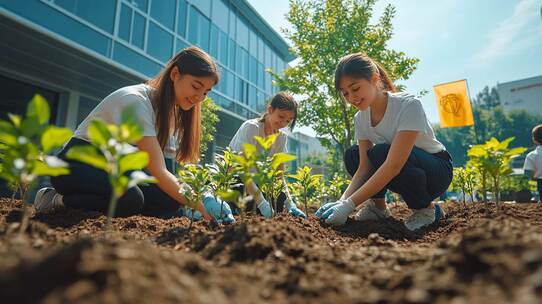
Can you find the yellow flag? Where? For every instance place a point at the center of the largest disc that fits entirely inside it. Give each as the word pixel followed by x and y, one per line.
pixel 454 104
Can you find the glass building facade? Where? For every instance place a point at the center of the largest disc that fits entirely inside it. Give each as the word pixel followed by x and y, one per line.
pixel 126 41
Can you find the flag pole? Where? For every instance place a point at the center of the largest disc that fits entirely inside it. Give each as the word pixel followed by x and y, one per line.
pixel 473 116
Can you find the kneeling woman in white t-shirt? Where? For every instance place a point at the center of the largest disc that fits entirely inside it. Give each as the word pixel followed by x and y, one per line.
pixel 281 112
pixel 397 149
pixel 169 109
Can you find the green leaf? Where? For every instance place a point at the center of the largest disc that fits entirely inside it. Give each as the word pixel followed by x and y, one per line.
pixel 87 155
pixel 42 169
pixel 134 161
pixel 98 132
pixel 54 137
pixel 228 195
pixel 30 127
pixel 15 119
pixel 249 150
pixel 38 109
pixel 8 133
pixel 281 158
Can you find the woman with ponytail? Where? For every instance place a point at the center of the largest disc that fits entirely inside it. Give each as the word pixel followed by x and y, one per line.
pixel 397 149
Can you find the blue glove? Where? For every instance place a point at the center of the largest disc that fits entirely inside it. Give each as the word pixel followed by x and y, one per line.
pixel 324 208
pixel 265 209
pixel 338 213
pixel 293 210
pixel 214 205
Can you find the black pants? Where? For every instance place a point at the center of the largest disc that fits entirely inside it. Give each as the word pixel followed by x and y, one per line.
pixel 88 188
pixel 539 188
pixel 424 176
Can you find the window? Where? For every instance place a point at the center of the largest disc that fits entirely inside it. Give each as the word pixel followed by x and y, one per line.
pixel 253 69
pixel 125 22
pixel 223 48
pixel 213 49
pixel 204 29
pixel 242 33
pixel 180 45
pixel 220 14
pixel 204 6
pixel 261 50
pixel 268 53
pixel 141 4
pixel 193 26
pixel 229 84
pixel 135 60
pixel 253 43
pixel 138 32
pixel 252 99
pixel 181 18
pixel 160 43
pixel 163 11
pixel 261 76
pixel 86 105
pixel 99 13
pixel 231 54
pixel 233 23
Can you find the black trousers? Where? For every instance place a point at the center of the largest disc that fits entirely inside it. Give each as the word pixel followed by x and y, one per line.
pixel 539 188
pixel 424 176
pixel 88 188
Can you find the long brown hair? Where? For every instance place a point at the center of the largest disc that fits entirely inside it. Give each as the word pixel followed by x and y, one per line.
pixel 283 101
pixel 186 124
pixel 362 66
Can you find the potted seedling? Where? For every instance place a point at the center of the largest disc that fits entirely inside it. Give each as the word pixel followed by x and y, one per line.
pixel 26 147
pixel 112 151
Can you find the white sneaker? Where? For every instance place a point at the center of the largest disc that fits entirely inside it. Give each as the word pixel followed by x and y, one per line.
pixel 371 212
pixel 47 199
pixel 420 218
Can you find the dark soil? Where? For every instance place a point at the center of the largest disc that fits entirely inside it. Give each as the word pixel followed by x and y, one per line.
pixel 478 254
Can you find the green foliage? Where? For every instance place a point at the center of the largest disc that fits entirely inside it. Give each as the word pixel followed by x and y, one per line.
pixel 492 160
pixel 26 145
pixel 321 33
pixel 223 179
pixel 269 169
pixel 305 182
pixel 334 189
pixel 208 124
pixel 464 179
pixel 195 182
pixel 111 150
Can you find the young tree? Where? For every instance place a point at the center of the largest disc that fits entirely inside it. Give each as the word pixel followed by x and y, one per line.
pixel 26 145
pixel 322 32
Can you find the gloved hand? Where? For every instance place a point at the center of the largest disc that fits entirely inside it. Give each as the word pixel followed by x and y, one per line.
pixel 324 208
pixel 212 206
pixel 293 210
pixel 265 209
pixel 337 214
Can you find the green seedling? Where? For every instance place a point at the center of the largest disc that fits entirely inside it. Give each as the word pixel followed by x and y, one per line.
pixel 492 159
pixel 26 145
pixel 305 182
pixel 195 182
pixel 112 151
pixel 223 178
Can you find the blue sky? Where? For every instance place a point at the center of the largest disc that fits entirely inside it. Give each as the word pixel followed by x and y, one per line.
pixel 484 41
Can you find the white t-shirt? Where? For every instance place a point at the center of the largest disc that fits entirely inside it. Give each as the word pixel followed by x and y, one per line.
pixel 111 107
pixel 533 162
pixel 404 112
pixel 255 127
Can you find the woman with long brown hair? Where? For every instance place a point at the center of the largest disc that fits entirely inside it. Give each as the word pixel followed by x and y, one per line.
pixel 169 109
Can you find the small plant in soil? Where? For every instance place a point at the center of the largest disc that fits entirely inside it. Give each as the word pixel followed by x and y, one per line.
pixel 333 190
pixel 464 179
pixel 195 182
pixel 112 150
pixel 493 158
pixel 269 169
pixel 244 165
pixel 305 182
pixel 223 178
pixel 26 148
